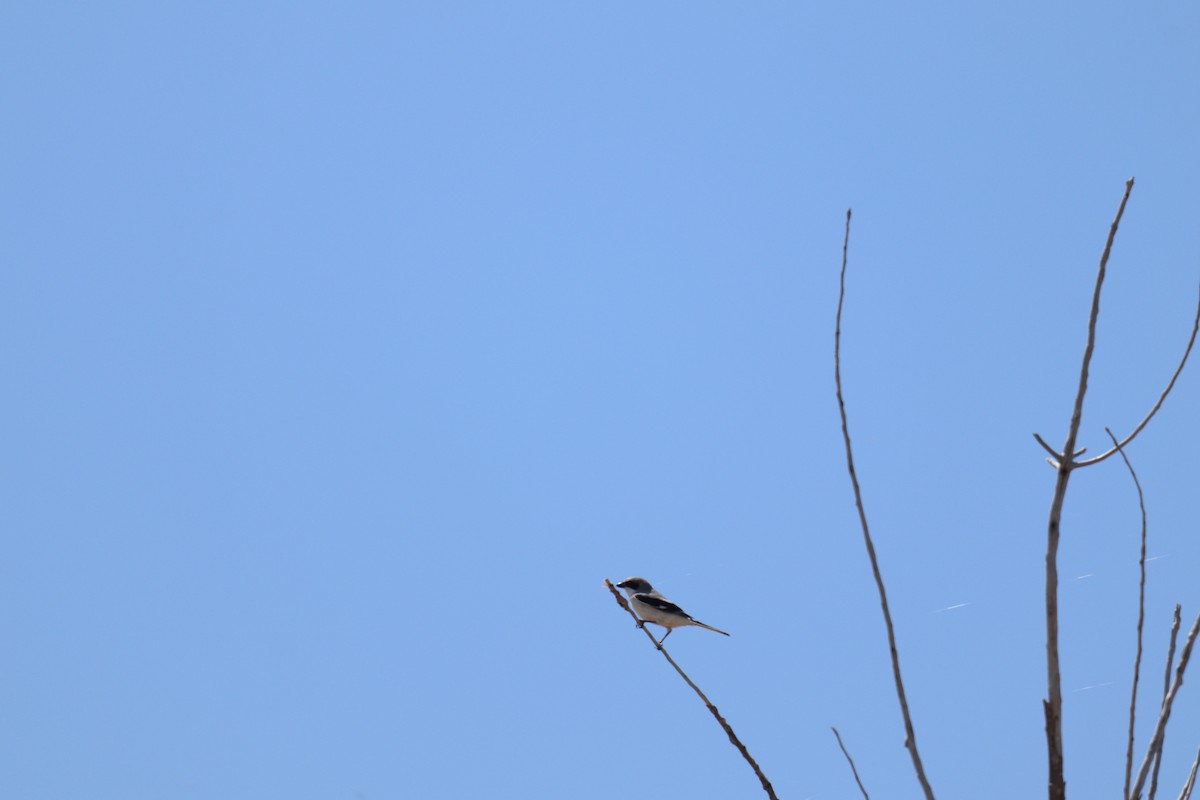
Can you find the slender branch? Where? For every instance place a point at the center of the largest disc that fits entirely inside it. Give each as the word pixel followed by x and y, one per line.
pixel 1175 623
pixel 910 738
pixel 1137 661
pixel 846 753
pixel 766 784
pixel 1191 781
pixel 1052 706
pixel 1166 688
pixel 1160 729
pixel 1187 351
pixel 1053 453
pixel 1077 413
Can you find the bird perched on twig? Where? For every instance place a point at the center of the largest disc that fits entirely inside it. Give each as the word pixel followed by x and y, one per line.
pixel 650 606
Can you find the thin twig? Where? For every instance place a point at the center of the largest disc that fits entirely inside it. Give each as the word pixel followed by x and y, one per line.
pixel 1187 351
pixel 1166 688
pixel 1160 729
pixel 1053 453
pixel 1175 623
pixel 846 753
pixel 1053 703
pixel 766 784
pixel 1137 661
pixel 910 738
pixel 1191 781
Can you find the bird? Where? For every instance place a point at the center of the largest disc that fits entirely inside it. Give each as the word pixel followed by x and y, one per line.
pixel 650 606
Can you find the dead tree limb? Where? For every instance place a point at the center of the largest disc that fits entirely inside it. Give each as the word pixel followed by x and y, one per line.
pixel 910 736
pixel 1065 463
pixel 1052 705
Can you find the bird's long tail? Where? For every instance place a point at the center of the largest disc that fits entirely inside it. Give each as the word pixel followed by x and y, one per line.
pixel 710 627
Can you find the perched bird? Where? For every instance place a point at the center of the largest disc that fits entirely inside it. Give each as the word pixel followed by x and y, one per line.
pixel 651 606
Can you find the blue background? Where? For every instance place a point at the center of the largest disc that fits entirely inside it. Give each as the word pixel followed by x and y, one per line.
pixel 349 347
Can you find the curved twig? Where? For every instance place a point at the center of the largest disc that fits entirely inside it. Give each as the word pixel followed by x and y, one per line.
pixel 910 738
pixel 766 784
pixel 1160 728
pixel 1137 661
pixel 846 753
pixel 1162 397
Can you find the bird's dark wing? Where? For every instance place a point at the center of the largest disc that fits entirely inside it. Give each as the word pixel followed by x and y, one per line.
pixel 661 604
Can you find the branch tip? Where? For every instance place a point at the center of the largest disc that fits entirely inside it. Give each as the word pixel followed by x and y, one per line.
pixel 910 738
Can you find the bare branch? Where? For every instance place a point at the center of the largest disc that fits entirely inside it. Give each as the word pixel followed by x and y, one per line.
pixel 1166 688
pixel 1053 453
pixel 1160 729
pixel 1137 661
pixel 1187 351
pixel 1178 619
pixel 766 784
pixel 1077 413
pixel 910 738
pixel 846 753
pixel 1191 781
pixel 1052 706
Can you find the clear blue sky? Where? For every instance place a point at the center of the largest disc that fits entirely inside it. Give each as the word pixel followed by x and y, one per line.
pixel 349 347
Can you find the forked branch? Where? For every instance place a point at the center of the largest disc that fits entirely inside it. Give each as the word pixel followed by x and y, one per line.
pixel 1160 728
pixel 1065 463
pixel 910 738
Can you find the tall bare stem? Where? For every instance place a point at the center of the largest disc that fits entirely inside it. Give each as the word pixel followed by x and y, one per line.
pixel 910 737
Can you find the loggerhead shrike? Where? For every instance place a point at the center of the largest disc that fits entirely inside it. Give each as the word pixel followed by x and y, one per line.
pixel 651 606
